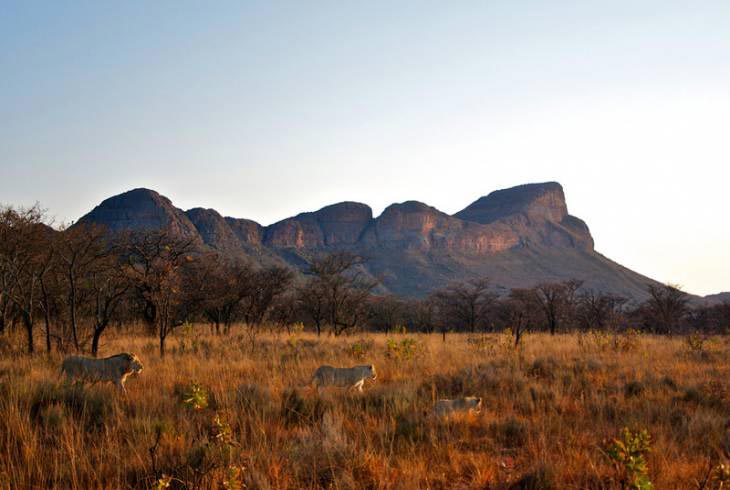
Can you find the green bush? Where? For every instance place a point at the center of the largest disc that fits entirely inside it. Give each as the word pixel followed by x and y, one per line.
pixel 194 396
pixel 405 350
pixel 628 454
pixel 360 349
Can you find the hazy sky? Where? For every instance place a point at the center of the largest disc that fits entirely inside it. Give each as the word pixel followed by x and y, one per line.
pixel 265 109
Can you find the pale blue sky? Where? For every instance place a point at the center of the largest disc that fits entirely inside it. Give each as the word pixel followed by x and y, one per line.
pixel 265 109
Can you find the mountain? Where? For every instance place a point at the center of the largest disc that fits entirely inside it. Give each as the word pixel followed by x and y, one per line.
pixel 141 209
pixel 718 298
pixel 518 237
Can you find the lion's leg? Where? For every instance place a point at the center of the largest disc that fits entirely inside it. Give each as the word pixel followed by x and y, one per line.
pixel 120 385
pixel 359 384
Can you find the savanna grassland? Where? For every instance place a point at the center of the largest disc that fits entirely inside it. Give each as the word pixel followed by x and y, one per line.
pixel 226 412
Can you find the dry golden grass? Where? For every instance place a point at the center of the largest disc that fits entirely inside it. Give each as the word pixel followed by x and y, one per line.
pixel 549 411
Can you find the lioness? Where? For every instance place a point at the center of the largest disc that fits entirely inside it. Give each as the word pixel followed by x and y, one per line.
pixel 115 368
pixel 353 377
pixel 468 404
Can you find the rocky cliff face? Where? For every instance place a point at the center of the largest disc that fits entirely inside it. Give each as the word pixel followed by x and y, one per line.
pixel 535 203
pixel 141 209
pixel 214 230
pixel 538 213
pixel 413 225
pixel 338 224
pixel 518 236
pixel 247 231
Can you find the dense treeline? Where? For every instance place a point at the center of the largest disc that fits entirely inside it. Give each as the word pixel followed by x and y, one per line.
pixel 68 287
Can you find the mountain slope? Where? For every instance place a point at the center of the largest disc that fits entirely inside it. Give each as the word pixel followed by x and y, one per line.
pixel 518 237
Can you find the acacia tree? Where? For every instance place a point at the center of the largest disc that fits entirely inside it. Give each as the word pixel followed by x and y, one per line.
pixel 80 249
pixel 218 285
pixel 386 312
pixel 24 259
pixel 50 290
pixel 421 314
pixel 557 301
pixel 312 300
pixel 666 307
pixel 108 286
pixel 261 290
pixel 599 310
pixel 467 304
pixel 284 310
pixel 340 287
pixel 518 311
pixel 6 276
pixel 153 261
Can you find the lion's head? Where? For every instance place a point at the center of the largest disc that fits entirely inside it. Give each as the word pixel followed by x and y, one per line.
pixel 134 366
pixel 371 371
pixel 474 403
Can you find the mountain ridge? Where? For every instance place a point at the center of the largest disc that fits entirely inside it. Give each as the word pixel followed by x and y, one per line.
pixel 517 236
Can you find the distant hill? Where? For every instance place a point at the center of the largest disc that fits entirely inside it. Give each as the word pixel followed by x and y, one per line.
pixel 718 298
pixel 518 237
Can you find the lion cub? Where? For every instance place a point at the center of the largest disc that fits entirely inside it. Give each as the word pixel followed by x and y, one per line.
pixel 467 404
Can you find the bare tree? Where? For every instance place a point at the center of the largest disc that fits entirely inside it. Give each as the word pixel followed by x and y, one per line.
pixel 520 310
pixel 421 314
pixel 312 300
pixel 597 310
pixel 386 312
pixel 218 284
pixel 466 304
pixel 284 310
pixel 666 308
pixel 153 263
pixel 557 301
pixel 264 287
pixel 108 285
pixel 79 249
pixel 344 289
pixel 50 289
pixel 24 259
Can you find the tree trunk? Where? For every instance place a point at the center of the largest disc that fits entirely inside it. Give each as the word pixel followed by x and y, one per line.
pixel 98 330
pixel 95 342
pixel 3 318
pixel 162 345
pixel 162 329
pixel 28 322
pixel 48 330
pixel 46 316
pixel 72 308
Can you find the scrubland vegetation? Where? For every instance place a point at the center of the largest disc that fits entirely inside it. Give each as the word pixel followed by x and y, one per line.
pixel 220 412
pixel 580 388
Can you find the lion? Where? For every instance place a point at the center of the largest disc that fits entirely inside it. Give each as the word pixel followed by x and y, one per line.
pixel 115 369
pixel 467 404
pixel 353 377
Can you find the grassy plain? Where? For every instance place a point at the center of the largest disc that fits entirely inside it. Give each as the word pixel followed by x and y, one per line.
pixel 219 411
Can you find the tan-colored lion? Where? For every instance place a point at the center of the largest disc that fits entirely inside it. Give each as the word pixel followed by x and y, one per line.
pixel 115 369
pixel 467 404
pixel 353 377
